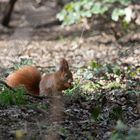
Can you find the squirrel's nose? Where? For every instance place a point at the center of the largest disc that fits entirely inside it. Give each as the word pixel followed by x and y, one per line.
pixel 70 81
pixel 69 84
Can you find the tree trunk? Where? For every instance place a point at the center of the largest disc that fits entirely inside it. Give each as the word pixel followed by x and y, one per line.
pixel 8 13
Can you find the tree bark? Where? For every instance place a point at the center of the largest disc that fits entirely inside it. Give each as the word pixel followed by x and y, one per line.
pixel 8 12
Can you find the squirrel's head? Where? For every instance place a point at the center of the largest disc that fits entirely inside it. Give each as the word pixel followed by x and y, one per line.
pixel 65 75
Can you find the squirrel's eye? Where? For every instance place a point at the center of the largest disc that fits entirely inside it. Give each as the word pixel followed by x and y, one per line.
pixel 66 76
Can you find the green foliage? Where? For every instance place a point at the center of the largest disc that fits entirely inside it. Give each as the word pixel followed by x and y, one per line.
pixel 90 86
pixel 99 69
pixel 9 97
pixel 63 131
pixel 23 62
pixel 98 77
pixel 76 88
pixel 123 132
pixel 132 73
pixel 16 65
pixel 95 113
pixel 75 11
pixel 113 85
pixel 116 112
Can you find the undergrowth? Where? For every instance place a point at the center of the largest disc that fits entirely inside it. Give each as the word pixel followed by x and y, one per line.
pixel 105 84
pixel 78 11
pixel 98 77
pixel 9 97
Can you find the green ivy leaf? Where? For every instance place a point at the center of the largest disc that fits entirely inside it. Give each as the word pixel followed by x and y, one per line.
pixel 86 14
pixel 74 11
pixel 61 16
pixel 117 13
pixel 96 9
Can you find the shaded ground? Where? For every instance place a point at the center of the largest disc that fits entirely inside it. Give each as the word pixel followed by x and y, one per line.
pixel 44 46
pixel 32 121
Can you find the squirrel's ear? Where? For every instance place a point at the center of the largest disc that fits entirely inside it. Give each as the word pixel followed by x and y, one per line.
pixel 63 65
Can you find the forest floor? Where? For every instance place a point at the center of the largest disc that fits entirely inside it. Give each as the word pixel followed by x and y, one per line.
pixel 106 72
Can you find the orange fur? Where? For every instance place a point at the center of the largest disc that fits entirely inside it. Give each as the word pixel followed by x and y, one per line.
pixel 27 76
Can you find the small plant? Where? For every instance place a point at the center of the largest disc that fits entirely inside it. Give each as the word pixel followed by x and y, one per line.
pixel 116 112
pixel 16 65
pixel 113 85
pixel 75 12
pixel 97 77
pixel 23 62
pixel 95 113
pixel 9 97
pixel 123 132
pixel 91 86
pixel 76 88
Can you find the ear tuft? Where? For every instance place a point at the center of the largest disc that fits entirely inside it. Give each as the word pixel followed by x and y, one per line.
pixel 63 65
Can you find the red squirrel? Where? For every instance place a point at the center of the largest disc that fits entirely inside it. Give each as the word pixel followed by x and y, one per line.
pixel 31 79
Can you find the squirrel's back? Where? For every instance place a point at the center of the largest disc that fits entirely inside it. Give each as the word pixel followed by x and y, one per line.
pixel 27 76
